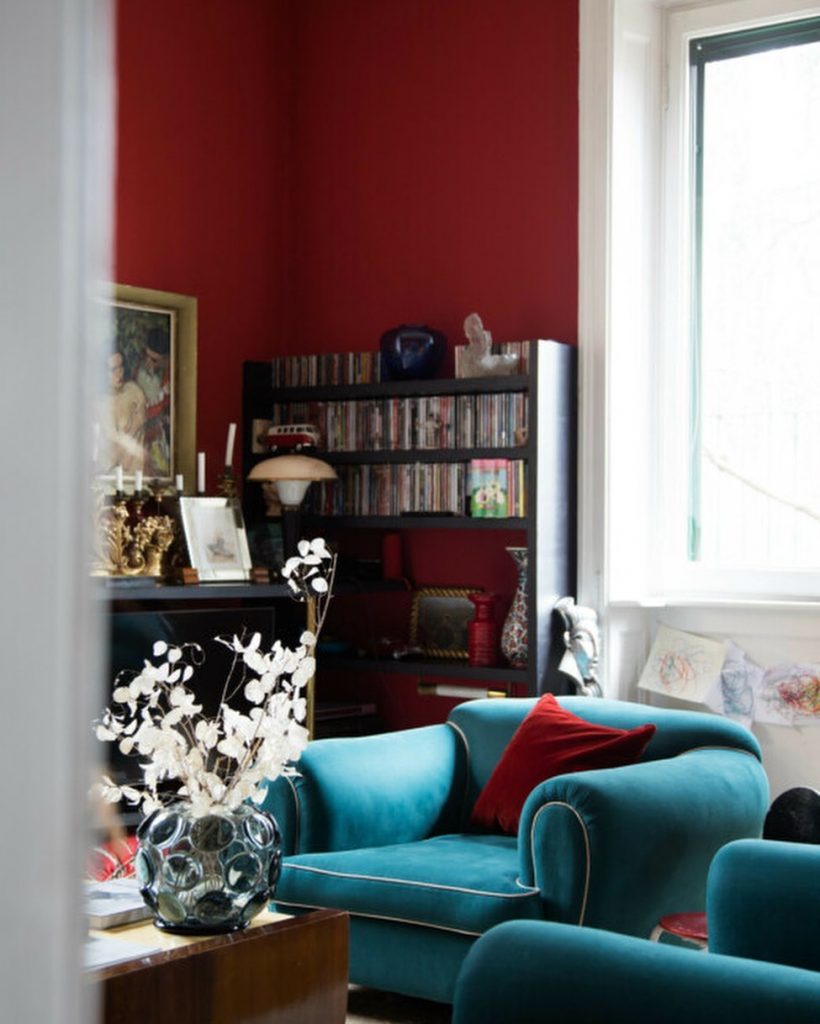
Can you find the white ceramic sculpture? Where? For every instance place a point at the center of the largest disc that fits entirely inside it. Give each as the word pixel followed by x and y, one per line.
pixel 477 359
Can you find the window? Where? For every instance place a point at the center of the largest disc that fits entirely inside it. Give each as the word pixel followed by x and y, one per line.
pixel 754 475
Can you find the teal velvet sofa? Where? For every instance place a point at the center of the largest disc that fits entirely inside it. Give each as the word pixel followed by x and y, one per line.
pixel 379 826
pixel 763 912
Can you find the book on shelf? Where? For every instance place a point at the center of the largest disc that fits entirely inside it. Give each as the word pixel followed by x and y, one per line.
pixel 113 903
pixel 489 488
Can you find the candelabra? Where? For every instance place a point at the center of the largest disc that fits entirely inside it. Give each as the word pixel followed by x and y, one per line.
pixel 128 543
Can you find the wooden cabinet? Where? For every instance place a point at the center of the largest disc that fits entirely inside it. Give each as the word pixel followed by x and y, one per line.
pixel 547 523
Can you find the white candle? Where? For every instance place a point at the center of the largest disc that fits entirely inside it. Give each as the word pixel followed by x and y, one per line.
pixel 200 473
pixel 118 478
pixel 178 482
pixel 138 480
pixel 229 445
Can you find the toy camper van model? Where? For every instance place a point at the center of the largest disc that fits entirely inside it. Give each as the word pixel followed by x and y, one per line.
pixel 293 437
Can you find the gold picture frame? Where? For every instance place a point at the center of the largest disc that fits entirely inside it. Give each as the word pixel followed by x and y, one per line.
pixel 147 421
pixel 439 617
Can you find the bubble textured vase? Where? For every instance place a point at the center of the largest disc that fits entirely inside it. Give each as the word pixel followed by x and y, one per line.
pixel 208 874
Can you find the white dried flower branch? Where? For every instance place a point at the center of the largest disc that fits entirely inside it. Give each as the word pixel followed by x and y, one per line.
pixel 224 760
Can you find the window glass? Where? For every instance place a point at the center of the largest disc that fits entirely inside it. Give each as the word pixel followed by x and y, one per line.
pixel 755 414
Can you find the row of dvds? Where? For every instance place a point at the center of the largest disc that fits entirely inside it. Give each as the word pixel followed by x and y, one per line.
pixel 328 369
pixel 365 367
pixel 418 423
pixel 441 488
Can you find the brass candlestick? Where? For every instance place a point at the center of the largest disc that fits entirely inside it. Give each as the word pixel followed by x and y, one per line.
pixel 127 546
pixel 226 484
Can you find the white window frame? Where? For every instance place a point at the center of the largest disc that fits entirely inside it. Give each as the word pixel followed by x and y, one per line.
pixel 621 100
pixel 634 290
pixel 678 575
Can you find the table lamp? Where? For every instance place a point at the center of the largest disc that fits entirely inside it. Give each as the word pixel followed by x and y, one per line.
pixel 291 475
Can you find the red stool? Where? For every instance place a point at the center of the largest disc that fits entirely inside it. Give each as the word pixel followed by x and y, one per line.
pixel 689 927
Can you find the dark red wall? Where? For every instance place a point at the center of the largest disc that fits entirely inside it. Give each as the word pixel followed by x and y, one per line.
pixel 317 171
pixel 202 179
pixel 434 168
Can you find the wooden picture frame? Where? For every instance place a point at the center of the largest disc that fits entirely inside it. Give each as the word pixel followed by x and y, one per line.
pixel 147 419
pixel 438 620
pixel 215 537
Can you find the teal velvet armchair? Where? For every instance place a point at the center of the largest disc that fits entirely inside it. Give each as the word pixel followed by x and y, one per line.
pixel 763 913
pixel 379 826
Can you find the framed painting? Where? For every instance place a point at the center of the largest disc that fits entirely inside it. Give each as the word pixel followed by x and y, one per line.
pixel 215 538
pixel 146 418
pixel 438 620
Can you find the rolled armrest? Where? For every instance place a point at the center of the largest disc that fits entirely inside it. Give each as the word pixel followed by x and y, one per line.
pixel 535 972
pixel 620 847
pixel 364 791
pixel 763 902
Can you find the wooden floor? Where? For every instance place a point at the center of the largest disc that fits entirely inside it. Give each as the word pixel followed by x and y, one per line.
pixel 369 1006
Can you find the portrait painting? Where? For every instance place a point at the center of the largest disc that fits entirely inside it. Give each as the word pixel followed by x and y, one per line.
pixel 145 418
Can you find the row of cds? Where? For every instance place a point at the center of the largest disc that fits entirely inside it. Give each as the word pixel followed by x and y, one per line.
pixel 442 488
pixel 364 367
pixel 418 423
pixel 329 369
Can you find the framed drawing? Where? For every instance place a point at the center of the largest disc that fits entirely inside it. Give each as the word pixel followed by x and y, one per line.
pixel 146 418
pixel 439 618
pixel 215 538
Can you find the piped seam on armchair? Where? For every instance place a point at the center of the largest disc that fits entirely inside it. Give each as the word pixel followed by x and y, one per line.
pixel 588 854
pixel 460 733
pixel 529 890
pixel 383 917
pixel 692 750
pixel 297 810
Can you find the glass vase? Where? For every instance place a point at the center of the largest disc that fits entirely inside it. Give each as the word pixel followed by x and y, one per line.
pixel 208 874
pixel 514 635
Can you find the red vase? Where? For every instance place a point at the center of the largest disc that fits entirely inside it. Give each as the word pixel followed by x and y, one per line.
pixel 482 632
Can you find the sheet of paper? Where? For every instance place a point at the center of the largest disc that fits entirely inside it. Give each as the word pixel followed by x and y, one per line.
pixel 682 665
pixel 789 694
pixel 734 694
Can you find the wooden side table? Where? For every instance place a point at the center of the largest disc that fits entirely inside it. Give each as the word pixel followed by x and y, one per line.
pixel 280 970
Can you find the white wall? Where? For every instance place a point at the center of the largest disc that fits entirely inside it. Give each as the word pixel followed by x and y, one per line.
pixel 54 186
pixel 620 236
pixel 769 635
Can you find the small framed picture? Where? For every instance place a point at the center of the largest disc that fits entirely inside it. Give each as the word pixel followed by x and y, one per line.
pixel 439 619
pixel 216 539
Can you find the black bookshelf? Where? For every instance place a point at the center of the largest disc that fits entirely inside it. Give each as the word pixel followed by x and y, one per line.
pixel 550 453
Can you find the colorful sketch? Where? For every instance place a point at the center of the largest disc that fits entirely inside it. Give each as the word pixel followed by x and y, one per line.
pixel 682 665
pixel 790 695
pixel 734 694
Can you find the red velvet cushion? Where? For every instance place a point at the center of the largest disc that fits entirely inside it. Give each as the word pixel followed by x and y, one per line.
pixel 551 741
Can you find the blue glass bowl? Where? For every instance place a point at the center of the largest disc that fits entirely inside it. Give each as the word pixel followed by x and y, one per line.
pixel 411 352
